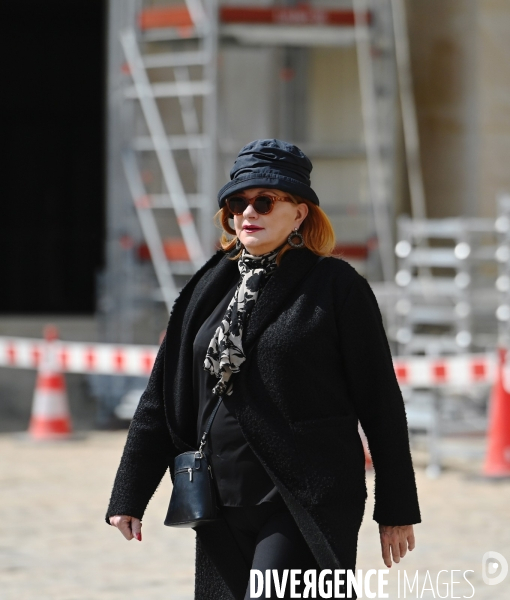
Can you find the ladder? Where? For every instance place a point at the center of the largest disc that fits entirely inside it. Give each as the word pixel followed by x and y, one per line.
pixel 179 167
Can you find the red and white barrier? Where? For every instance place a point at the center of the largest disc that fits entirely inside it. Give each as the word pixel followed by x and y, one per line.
pixel 114 359
pixel 446 371
pixel 78 357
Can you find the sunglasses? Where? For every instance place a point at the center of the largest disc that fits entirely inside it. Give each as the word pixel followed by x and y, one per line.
pixel 262 203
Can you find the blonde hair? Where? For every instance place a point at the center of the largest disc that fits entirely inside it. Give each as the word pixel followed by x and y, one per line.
pixel 316 229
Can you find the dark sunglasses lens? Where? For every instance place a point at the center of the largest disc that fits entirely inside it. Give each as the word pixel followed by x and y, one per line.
pixel 237 205
pixel 263 205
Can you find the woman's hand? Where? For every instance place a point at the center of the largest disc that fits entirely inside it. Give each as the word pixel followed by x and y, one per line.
pixel 396 539
pixel 130 527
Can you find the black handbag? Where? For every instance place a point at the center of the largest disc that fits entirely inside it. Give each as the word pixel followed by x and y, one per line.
pixel 193 500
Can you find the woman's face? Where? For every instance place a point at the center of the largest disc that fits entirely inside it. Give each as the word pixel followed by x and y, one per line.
pixel 262 233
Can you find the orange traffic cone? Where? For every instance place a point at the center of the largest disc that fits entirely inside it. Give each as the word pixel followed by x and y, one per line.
pixel 497 460
pixel 50 418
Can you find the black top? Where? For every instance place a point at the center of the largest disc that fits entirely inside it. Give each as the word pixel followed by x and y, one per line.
pixel 240 478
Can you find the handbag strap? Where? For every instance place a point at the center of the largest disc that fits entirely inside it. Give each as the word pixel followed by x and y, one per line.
pixel 208 425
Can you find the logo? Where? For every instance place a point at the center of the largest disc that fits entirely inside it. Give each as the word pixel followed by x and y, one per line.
pixel 494 568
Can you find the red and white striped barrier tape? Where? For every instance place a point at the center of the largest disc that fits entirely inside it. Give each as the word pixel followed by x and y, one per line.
pixel 115 359
pixel 78 357
pixel 460 370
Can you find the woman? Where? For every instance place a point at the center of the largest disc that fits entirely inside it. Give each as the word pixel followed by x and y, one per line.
pixel 296 348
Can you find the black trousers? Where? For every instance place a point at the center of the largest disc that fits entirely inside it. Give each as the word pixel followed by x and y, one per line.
pixel 268 538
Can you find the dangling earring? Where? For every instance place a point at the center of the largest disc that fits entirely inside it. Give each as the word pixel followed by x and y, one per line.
pixel 239 245
pixel 295 234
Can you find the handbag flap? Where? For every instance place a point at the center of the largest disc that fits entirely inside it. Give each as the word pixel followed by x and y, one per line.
pixel 189 460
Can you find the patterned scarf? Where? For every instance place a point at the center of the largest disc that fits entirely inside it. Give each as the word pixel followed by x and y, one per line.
pixel 225 353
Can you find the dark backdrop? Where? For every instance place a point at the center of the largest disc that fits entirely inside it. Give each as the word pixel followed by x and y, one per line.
pixel 51 173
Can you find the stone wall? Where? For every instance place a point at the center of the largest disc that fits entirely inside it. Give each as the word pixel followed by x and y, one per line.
pixel 461 72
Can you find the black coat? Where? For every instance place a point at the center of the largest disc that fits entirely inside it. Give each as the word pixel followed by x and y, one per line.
pixel 317 361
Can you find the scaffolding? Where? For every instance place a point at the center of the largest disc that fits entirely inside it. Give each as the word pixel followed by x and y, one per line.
pixel 170 145
pixel 446 274
pixel 445 303
pixel 502 256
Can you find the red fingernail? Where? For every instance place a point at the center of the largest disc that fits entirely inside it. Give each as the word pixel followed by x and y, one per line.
pixel 139 536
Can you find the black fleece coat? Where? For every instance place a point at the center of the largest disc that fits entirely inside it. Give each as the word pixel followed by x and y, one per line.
pixel 317 361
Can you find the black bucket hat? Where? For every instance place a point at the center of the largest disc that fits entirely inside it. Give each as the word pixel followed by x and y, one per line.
pixel 270 164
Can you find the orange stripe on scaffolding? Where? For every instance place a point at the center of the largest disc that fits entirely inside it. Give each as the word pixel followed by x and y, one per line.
pixel 185 218
pixel 354 251
pixel 143 202
pixel 298 15
pixel 169 16
pixel 178 16
pixel 174 249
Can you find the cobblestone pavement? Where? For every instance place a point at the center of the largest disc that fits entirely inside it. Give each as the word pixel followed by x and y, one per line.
pixel 54 544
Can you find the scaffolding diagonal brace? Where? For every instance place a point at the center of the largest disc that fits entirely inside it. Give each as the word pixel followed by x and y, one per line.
pixel 149 229
pixel 376 182
pixel 162 148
